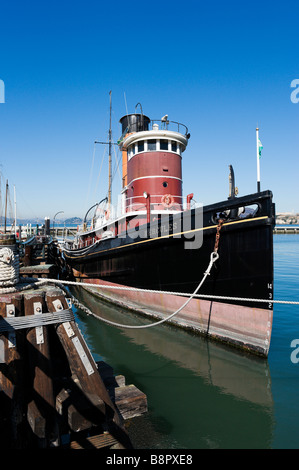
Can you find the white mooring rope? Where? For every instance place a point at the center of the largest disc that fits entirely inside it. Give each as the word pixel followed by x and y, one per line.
pixel 185 294
pixel 214 256
pixel 9 265
pixel 28 283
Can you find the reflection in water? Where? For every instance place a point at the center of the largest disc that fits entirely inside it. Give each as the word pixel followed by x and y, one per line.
pixel 200 394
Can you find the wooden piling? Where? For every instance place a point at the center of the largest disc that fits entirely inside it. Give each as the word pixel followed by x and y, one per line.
pixel 51 389
pixel 41 400
pixel 12 378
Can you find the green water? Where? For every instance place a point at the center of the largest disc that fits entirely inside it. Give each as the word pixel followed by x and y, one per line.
pixel 201 394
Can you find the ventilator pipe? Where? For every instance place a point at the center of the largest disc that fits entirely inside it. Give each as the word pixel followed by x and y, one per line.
pixel 148 207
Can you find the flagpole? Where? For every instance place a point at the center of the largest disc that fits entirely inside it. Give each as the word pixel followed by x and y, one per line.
pixel 258 161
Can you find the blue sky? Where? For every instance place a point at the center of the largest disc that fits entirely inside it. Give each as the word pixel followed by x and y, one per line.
pixel 219 67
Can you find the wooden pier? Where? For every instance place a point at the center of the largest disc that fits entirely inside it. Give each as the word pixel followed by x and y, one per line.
pixel 286 230
pixel 70 232
pixel 63 232
pixel 52 393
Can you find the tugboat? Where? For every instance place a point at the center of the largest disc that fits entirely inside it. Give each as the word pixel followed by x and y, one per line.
pixel 151 252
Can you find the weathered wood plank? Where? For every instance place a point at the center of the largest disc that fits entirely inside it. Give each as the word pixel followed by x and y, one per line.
pixel 12 371
pixel 75 415
pixel 91 398
pixel 39 271
pixel 10 305
pixel 130 401
pixel 81 363
pixel 41 407
pixel 94 442
pixel 84 368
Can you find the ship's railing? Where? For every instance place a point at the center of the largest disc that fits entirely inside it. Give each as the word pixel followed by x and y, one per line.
pixel 164 124
pixel 157 202
pixel 159 124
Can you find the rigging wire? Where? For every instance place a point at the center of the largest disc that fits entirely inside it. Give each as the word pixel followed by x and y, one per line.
pixel 1 200
pixel 100 170
pixel 115 169
pixel 117 166
pixel 90 174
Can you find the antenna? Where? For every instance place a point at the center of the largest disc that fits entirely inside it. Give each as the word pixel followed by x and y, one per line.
pixel 258 161
pixel 6 195
pixel 15 203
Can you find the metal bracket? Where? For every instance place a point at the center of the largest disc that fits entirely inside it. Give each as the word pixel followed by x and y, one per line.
pixel 76 342
pixel 10 312
pixel 82 354
pixel 2 351
pixel 67 326
pixel 37 310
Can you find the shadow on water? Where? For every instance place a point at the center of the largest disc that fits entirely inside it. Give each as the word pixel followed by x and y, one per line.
pixel 201 394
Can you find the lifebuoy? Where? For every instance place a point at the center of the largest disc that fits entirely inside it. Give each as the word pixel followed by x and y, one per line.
pixel 167 200
pixel 107 214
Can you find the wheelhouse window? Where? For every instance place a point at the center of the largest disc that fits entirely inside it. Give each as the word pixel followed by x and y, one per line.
pixel 163 144
pixel 130 154
pixel 151 145
pixel 131 151
pixel 140 147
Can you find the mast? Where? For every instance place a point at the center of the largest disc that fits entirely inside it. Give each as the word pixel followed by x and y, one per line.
pixel 15 202
pixel 6 193
pixel 110 158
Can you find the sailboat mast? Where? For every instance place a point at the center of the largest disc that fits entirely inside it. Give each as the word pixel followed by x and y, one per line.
pixel 6 193
pixel 15 202
pixel 110 158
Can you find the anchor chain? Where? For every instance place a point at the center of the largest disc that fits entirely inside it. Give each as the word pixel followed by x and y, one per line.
pixel 220 223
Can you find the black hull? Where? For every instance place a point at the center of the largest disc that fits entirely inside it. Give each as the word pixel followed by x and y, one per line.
pixel 161 262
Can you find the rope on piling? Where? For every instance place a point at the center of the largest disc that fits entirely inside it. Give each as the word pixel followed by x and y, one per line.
pixel 9 265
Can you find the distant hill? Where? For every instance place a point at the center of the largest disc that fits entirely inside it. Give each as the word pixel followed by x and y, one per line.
pixel 287 218
pixel 73 220
pixel 41 221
